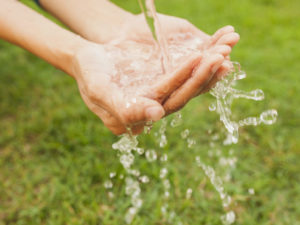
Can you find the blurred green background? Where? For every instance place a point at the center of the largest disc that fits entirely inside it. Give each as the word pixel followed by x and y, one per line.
pixel 55 154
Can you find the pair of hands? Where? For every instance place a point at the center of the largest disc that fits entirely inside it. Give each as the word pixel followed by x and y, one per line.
pixel 93 70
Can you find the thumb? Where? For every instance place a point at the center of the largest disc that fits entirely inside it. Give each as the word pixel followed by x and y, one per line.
pixel 139 110
pixel 153 110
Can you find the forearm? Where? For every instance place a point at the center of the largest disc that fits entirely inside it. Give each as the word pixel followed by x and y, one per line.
pixel 24 27
pixel 96 20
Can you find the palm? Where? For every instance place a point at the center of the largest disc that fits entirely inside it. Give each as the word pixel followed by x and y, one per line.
pixel 182 39
pixel 119 92
pixel 121 80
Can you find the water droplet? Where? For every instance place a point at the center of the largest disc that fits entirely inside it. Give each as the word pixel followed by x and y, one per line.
pixel 228 218
pixel 241 75
pixel 151 155
pixel 163 209
pixel 163 173
pixel 185 133
pixel 177 120
pixel 167 194
pixel 226 201
pixel 130 214
pixel 215 137
pixel 148 127
pixel 249 121
pixel 137 202
pixel 162 131
pixel 189 193
pixel 110 195
pixel 112 174
pixel 140 151
pixel 191 142
pixel 127 160
pixel 166 184
pixel 108 184
pixel 251 191
pixel 164 158
pixel 135 173
pixel 144 179
pixel 212 107
pixel 163 141
pixel 258 95
pixel 126 143
pixel 269 117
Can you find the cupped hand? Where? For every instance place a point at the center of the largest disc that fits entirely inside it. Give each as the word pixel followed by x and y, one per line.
pixel 113 83
pixel 122 81
pixel 180 32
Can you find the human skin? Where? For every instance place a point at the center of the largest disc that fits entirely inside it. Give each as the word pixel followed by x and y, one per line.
pixel 89 19
pixel 88 63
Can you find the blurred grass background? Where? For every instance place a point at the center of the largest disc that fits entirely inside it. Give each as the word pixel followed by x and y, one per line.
pixel 55 154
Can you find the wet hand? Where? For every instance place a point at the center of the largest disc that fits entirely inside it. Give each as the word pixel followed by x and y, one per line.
pixel 215 49
pixel 117 107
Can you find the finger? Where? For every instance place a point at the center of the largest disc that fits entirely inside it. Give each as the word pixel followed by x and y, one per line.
pixel 138 110
pixel 220 74
pixel 224 50
pixel 230 39
pixel 202 75
pixel 171 82
pixel 220 33
pixel 126 111
pixel 110 121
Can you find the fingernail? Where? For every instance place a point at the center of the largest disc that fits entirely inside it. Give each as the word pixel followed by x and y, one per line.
pixel 229 27
pixel 154 113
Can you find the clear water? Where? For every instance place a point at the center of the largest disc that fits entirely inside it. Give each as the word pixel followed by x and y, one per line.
pixel 149 10
pixel 128 151
pixel 224 93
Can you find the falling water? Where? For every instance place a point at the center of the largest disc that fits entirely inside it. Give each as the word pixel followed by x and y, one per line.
pixel 224 94
pixel 149 11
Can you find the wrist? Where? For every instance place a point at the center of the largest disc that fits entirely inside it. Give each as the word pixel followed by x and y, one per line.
pixel 105 27
pixel 67 55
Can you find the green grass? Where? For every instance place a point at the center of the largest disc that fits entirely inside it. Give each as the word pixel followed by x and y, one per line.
pixel 55 154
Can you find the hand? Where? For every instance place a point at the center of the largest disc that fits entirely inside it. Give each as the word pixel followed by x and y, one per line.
pixel 118 108
pixel 180 32
pixel 204 60
pixel 123 105
pixel 123 84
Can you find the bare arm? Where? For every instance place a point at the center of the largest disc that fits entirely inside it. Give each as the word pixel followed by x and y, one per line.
pixel 96 20
pixel 24 27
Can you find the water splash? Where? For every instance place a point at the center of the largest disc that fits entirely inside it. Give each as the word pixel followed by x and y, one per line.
pixel 125 146
pixel 216 181
pixel 189 193
pixel 177 120
pixel 224 94
pixel 228 218
pixel 151 155
pixel 162 131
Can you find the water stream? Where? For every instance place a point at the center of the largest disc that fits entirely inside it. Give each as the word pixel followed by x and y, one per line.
pixel 224 94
